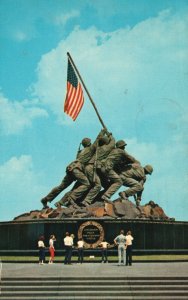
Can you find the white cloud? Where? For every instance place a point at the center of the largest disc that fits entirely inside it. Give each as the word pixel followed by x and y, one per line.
pixel 148 61
pixel 62 19
pixel 20 186
pixel 15 116
pixel 15 167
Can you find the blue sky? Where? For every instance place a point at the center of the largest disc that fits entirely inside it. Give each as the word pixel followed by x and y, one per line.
pixel 133 57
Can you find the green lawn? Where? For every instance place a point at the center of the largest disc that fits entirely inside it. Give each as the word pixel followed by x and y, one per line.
pixel 87 258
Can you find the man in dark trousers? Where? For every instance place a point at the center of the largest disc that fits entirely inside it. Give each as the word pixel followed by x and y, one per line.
pixel 68 243
pixel 128 243
pixel 104 250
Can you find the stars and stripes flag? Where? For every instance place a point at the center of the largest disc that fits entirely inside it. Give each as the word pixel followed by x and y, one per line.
pixel 74 98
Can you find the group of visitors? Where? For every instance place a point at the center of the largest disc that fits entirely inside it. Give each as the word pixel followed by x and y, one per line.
pixel 42 249
pixel 124 243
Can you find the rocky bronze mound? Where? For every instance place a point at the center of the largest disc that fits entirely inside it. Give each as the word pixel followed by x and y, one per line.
pixel 119 208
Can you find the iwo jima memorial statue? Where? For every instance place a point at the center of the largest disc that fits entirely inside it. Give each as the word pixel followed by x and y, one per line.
pixel 98 171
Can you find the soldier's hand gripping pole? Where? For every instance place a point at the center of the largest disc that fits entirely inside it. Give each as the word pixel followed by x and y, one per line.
pixel 79 149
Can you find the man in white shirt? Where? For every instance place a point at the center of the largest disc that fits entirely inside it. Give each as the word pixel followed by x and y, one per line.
pixel 80 245
pixel 41 247
pixel 120 240
pixel 129 240
pixel 68 242
pixel 104 246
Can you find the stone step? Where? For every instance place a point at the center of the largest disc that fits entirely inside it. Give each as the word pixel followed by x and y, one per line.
pixel 88 283
pixel 94 288
pixel 133 288
pixel 95 293
pixel 153 297
pixel 48 278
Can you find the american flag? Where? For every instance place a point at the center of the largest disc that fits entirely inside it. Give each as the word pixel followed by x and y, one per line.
pixel 74 97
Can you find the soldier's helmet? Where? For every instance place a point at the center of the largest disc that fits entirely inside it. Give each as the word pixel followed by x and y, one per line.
pixel 86 142
pixel 149 169
pixel 120 143
pixel 103 140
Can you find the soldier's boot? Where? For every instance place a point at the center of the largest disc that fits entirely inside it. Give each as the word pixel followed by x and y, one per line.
pixel 58 204
pixel 123 195
pixel 72 203
pixel 138 201
pixel 106 199
pixel 63 201
pixel 85 203
pixel 44 203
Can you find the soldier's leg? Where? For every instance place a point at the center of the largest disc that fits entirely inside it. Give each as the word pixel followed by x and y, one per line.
pixel 138 197
pixel 116 183
pixel 104 180
pixel 134 186
pixel 83 185
pixel 67 180
pixel 95 186
pixel 65 199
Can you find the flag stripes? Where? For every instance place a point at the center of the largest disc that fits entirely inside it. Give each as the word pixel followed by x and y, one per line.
pixel 74 97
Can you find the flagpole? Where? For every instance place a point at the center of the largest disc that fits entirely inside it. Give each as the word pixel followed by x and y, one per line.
pixel 90 98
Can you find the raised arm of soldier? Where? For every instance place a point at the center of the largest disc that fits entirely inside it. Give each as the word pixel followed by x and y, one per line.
pixel 130 160
pixel 106 145
pixel 89 149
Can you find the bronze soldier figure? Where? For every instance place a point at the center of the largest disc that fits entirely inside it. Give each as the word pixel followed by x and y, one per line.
pixel 105 145
pixel 75 172
pixel 117 158
pixel 134 177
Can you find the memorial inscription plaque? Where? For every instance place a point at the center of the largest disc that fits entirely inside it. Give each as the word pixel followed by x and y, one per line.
pixel 92 233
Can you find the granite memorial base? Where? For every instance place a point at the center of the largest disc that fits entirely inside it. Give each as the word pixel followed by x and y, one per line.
pixel 156 237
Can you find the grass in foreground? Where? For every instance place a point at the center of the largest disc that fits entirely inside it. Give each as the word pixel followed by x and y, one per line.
pixel 161 257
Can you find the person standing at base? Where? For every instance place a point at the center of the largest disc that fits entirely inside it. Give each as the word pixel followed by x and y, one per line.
pixel 80 245
pixel 51 248
pixel 104 249
pixel 41 248
pixel 120 240
pixel 129 240
pixel 68 242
